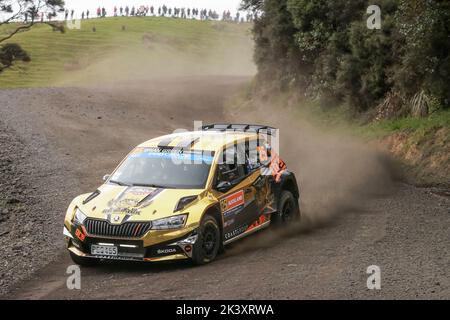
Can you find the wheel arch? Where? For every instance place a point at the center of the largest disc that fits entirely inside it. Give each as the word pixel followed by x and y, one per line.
pixel 289 183
pixel 216 213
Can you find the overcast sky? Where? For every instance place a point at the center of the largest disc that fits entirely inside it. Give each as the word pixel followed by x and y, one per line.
pixel 218 5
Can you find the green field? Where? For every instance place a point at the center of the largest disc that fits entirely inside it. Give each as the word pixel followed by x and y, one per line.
pixel 134 47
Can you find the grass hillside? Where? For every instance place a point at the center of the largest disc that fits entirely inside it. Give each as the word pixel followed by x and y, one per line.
pixel 129 47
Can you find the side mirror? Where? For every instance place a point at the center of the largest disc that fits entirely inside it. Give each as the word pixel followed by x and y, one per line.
pixel 106 177
pixel 224 186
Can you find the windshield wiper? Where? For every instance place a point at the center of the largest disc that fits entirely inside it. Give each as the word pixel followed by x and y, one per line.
pixel 149 185
pixel 119 183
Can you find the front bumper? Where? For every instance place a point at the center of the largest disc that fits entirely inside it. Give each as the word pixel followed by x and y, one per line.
pixel 176 248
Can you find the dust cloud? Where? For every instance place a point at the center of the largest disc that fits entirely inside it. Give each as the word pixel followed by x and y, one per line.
pixel 336 173
pixel 152 56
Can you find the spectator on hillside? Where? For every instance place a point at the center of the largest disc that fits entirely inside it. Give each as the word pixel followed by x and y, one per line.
pixel 152 10
pixel 127 11
pixel 115 11
pixel 121 11
pixel 66 14
pixel 87 14
pixel 82 15
pixel 133 11
pixel 71 14
pixel 99 12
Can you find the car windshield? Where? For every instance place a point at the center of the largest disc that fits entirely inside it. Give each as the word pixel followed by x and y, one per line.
pixel 164 169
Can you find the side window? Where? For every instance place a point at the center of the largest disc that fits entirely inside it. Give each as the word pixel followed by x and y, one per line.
pixel 232 168
pixel 253 155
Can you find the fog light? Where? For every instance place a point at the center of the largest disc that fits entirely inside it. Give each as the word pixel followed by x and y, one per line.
pixel 188 248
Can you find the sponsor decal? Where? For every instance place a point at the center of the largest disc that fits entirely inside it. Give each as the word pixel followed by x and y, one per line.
pixel 174 154
pixel 235 232
pixel 232 203
pixel 228 223
pixel 126 211
pixel 140 191
pixel 149 198
pixel 131 201
pixel 166 251
pixel 80 235
pixel 276 167
pixel 262 219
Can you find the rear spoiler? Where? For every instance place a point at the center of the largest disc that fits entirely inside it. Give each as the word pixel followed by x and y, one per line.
pixel 232 127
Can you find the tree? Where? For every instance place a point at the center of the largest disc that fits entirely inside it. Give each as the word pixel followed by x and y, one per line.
pixel 277 56
pixel 326 49
pixel 23 15
pixel 425 51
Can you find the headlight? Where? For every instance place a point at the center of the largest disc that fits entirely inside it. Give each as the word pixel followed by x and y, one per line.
pixel 79 216
pixel 174 222
pixel 183 202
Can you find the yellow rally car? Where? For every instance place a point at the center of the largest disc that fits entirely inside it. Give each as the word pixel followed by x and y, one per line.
pixel 184 196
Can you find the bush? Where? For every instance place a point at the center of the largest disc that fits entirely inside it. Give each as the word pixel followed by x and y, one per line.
pixel 325 50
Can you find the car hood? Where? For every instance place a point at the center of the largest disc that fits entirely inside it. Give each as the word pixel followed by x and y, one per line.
pixel 119 204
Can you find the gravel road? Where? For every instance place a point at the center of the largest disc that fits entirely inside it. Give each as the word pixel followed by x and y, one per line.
pixel 58 142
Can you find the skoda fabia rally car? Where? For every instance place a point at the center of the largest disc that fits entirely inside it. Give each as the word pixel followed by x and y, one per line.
pixel 184 196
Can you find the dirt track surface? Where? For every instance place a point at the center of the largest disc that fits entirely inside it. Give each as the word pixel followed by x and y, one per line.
pixel 58 143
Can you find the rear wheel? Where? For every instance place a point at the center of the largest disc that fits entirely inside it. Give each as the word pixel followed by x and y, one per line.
pixel 289 209
pixel 82 261
pixel 208 242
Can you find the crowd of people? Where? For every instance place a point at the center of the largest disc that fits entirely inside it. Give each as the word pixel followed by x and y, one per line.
pixel 162 11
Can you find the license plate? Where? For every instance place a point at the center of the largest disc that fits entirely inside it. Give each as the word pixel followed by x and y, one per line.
pixel 104 250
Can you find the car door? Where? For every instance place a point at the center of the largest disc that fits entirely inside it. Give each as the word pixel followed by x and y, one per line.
pixel 263 183
pixel 239 205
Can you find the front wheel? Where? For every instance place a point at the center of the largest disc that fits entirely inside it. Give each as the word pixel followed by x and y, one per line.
pixel 208 242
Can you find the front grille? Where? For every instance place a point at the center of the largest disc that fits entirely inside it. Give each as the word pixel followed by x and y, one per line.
pixel 103 228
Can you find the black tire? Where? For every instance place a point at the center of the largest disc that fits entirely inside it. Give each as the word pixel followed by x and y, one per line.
pixel 208 242
pixel 82 261
pixel 289 209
